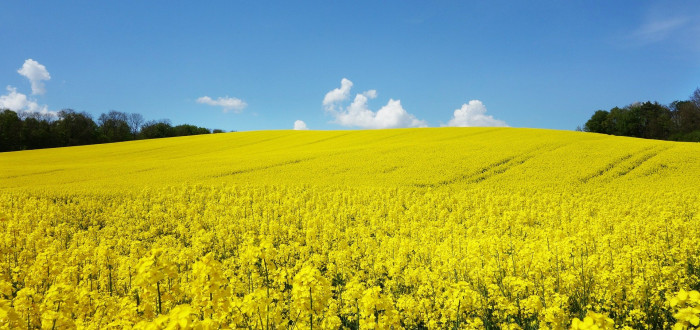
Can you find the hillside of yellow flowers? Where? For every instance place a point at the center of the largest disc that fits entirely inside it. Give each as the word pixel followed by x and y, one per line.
pixel 433 228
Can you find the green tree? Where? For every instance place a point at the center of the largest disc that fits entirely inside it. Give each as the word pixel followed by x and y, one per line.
pixel 73 128
pixel 616 123
pixel 10 129
pixel 686 116
pixel 114 126
pixel 156 129
pixel 37 132
pixel 654 121
pixel 678 121
pixel 597 122
pixel 183 130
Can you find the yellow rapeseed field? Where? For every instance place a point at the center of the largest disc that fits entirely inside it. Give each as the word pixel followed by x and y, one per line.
pixel 438 228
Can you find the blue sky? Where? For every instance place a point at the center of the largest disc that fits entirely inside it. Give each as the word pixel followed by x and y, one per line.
pixel 258 65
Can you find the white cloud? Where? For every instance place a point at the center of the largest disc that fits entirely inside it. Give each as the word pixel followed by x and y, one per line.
pixel 473 114
pixel 371 94
pixel 300 125
pixel 36 73
pixel 13 100
pixel 338 94
pixel 19 102
pixel 226 103
pixel 358 114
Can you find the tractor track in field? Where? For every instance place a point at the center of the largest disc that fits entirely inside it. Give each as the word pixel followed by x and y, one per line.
pixel 261 168
pixel 496 168
pixel 511 163
pixel 641 160
pixel 613 165
pixel 34 173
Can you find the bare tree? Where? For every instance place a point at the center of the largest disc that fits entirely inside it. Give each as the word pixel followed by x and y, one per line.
pixel 114 126
pixel 135 121
pixel 695 98
pixel 40 116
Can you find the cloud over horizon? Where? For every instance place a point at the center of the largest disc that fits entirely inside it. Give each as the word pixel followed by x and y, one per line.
pixel 358 114
pixel 473 114
pixel 36 73
pixel 226 103
pixel 20 102
pixel 300 125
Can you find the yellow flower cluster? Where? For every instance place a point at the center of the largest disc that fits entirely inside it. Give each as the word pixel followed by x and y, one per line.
pixel 265 257
pixel 593 321
pixel 469 237
pixel 688 309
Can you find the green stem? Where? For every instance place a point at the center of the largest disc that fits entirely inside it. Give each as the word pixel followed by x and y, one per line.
pixel 311 315
pixel 58 308
pixel 159 300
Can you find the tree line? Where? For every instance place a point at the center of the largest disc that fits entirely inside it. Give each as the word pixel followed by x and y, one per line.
pixel 679 121
pixel 31 130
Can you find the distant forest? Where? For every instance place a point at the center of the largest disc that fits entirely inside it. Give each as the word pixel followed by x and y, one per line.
pixel 679 121
pixel 31 130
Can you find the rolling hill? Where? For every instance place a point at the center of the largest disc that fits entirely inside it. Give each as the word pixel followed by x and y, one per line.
pixel 430 157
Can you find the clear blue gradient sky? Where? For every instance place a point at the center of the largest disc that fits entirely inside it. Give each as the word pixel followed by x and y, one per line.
pixel 529 64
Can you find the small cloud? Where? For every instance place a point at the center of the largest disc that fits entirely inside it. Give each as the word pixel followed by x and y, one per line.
pixel 226 103
pixel 300 125
pixel 338 94
pixel 473 114
pixel 36 73
pixel 19 102
pixel 358 114
pixel 370 94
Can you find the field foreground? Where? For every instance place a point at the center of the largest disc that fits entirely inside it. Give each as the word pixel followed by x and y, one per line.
pixel 411 228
